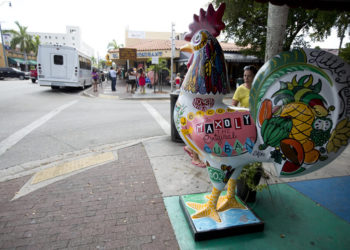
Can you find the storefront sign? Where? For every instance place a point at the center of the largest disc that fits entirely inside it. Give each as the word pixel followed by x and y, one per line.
pixel 7 39
pixel 149 54
pixel 115 55
pixel 126 53
pixel 155 60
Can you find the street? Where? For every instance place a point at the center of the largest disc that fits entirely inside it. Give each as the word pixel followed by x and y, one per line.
pixel 80 171
pixel 66 121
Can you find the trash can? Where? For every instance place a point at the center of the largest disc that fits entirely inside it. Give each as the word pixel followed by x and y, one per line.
pixel 174 134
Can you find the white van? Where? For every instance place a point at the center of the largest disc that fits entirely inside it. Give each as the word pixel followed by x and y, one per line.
pixel 63 66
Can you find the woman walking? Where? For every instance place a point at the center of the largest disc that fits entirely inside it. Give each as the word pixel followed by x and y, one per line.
pixel 94 79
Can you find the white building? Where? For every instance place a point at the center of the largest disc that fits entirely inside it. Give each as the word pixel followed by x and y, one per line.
pixel 71 38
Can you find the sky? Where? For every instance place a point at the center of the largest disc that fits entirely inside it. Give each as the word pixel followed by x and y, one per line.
pixel 100 21
pixel 104 20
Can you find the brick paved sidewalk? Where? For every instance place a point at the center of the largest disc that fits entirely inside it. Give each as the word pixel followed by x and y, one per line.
pixel 114 206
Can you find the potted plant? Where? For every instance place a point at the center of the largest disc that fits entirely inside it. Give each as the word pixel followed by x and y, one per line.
pixel 248 181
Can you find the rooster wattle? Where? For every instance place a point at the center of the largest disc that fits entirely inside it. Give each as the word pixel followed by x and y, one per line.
pixel 298 116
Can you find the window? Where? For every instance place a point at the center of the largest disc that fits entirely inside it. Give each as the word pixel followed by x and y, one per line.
pixel 58 59
pixel 84 63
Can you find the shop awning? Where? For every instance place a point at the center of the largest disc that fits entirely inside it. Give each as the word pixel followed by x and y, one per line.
pixel 32 62
pixel 229 57
pixel 16 60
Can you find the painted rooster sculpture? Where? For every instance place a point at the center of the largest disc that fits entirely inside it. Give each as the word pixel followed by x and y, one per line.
pixel 298 116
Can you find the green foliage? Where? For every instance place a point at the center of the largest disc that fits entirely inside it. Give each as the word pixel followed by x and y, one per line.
pixel 345 53
pixel 114 45
pixel 248 175
pixel 343 24
pixel 36 43
pixel 162 65
pixel 21 38
pixel 246 22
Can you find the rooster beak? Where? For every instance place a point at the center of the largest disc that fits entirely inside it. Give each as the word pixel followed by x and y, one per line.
pixel 187 48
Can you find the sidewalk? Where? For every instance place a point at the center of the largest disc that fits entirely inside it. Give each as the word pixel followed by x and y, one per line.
pixel 132 202
pixel 106 92
pixel 113 206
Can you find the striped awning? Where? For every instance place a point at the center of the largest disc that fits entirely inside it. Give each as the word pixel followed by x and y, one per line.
pixel 16 60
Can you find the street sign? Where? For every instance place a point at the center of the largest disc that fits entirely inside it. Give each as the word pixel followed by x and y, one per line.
pixel 155 60
pixel 126 53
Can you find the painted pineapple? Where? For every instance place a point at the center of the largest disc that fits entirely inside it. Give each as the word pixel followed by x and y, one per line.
pixel 302 105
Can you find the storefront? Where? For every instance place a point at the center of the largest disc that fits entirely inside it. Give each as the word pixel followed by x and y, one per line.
pixel 147 49
pixel 16 60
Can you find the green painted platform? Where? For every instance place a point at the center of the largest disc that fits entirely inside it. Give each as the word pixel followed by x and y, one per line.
pixel 292 221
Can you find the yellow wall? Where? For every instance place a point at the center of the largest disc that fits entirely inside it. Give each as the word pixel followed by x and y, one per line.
pixel 2 58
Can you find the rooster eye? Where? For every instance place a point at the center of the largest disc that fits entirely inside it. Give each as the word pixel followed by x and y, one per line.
pixel 199 40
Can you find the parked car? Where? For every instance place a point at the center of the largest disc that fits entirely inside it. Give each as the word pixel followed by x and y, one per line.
pixel 13 73
pixel 34 75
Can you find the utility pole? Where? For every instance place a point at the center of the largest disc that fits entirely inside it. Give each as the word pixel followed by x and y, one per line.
pixel 172 56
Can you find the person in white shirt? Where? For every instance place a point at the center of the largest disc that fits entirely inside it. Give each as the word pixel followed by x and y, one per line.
pixel 113 76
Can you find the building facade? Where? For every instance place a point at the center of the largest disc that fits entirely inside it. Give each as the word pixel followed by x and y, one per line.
pixel 71 38
pixel 158 44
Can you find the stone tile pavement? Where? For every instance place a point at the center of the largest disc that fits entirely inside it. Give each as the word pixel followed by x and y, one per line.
pixel 114 206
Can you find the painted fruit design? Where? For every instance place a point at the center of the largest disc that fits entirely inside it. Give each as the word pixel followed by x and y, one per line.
pixel 298 119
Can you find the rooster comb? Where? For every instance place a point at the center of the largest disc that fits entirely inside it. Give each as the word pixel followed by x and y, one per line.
pixel 209 20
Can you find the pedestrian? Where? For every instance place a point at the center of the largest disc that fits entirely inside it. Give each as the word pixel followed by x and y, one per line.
pixel 113 76
pixel 131 81
pixel 94 75
pixel 178 81
pixel 142 81
pixel 241 95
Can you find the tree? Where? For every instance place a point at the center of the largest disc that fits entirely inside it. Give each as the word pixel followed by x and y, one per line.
pixel 114 45
pixel 345 53
pixel 102 63
pixel 246 23
pixel 22 39
pixel 36 43
pixel 342 24
pixel 94 61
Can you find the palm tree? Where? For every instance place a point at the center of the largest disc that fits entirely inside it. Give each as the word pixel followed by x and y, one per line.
pixel 23 39
pixel 36 43
pixel 114 45
pixel 162 65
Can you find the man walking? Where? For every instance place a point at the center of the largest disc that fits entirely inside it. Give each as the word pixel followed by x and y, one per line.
pixel 113 76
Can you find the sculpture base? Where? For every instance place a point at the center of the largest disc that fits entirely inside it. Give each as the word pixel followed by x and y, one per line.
pixel 233 221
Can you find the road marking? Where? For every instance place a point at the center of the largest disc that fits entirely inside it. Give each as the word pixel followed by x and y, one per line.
pixel 158 117
pixel 61 171
pixel 20 134
pixel 108 96
pixel 72 166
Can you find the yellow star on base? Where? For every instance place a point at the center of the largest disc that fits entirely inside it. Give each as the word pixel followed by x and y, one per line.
pixel 203 210
pixel 226 203
pixel 208 209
